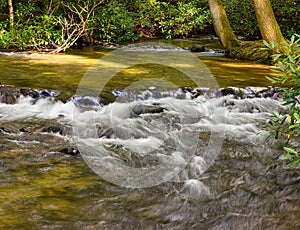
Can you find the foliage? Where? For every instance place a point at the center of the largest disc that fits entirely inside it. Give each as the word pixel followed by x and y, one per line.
pixel 114 23
pixel 287 124
pixel 287 14
pixel 30 31
pixel 242 17
pixel 163 19
pixel 243 21
pixel 50 23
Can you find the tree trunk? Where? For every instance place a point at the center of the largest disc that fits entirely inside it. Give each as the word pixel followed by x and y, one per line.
pixel 269 29
pixel 221 24
pixel 11 14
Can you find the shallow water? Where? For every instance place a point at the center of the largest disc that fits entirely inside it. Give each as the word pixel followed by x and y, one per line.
pixel 247 187
pixel 64 72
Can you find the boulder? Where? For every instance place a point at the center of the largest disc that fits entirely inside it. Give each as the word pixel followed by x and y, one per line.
pixel 8 95
pixel 198 48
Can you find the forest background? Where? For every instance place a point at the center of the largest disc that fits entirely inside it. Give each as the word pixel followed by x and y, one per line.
pixel 50 24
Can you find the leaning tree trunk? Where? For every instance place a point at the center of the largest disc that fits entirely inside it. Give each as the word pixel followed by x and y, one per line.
pixel 11 14
pixel 221 24
pixel 269 29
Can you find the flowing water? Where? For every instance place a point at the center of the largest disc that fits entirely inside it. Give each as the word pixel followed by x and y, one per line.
pixel 46 184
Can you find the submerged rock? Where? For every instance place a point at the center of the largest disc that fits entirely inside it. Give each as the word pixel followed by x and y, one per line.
pixel 70 151
pixel 142 109
pixel 9 94
pixel 198 48
pixel 189 93
pixel 56 129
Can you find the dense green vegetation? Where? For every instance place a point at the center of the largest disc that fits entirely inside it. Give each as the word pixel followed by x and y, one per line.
pixel 243 21
pixel 287 123
pixel 59 24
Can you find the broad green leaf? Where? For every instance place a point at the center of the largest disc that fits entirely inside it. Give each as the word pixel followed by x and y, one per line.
pixel 296 161
pixel 266 44
pixel 286 157
pixel 290 150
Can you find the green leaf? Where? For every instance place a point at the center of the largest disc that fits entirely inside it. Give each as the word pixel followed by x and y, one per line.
pixel 276 70
pixel 267 44
pixel 290 150
pixel 280 64
pixel 292 39
pixel 292 68
pixel 296 161
pixel 293 126
pixel 271 79
pixel 296 116
pixel 273 114
pixel 273 44
pixel 286 157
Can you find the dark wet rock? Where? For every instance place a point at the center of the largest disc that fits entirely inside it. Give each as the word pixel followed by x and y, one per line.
pixel 186 89
pixel 4 130
pixel 8 95
pixel 229 91
pixel 56 129
pixel 70 151
pixel 189 93
pixel 219 51
pixel 28 129
pixel 47 93
pixel 87 102
pixel 29 92
pixel 198 48
pixel 142 109
pixel 8 130
pixel 102 132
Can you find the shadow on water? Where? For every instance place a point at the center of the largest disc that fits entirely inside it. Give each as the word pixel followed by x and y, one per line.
pixel 229 72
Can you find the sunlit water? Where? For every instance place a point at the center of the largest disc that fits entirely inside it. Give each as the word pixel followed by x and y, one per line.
pixel 246 187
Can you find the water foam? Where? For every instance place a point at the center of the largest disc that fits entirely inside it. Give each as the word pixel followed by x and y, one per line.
pixel 131 134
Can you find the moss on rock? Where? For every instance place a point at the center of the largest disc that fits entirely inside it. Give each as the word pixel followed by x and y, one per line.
pixel 250 50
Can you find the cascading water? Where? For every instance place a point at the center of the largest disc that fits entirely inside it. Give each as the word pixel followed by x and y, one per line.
pixel 44 183
pixel 154 136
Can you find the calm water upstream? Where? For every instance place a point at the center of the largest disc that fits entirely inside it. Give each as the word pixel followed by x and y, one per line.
pixel 44 184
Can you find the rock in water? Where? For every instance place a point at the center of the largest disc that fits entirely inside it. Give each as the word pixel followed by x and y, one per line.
pixel 142 109
pixel 198 48
pixel 8 95
pixel 29 92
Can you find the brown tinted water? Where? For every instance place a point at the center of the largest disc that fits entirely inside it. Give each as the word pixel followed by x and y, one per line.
pixel 63 72
pixel 41 188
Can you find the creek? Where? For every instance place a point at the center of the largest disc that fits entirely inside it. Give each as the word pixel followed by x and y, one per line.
pixel 219 172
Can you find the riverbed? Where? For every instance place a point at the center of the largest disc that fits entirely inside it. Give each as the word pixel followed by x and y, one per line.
pixel 47 184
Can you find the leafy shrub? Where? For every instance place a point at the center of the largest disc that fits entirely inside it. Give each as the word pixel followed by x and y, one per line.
pixel 287 14
pixel 163 19
pixel 243 20
pixel 31 28
pixel 242 17
pixel 287 124
pixel 114 23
